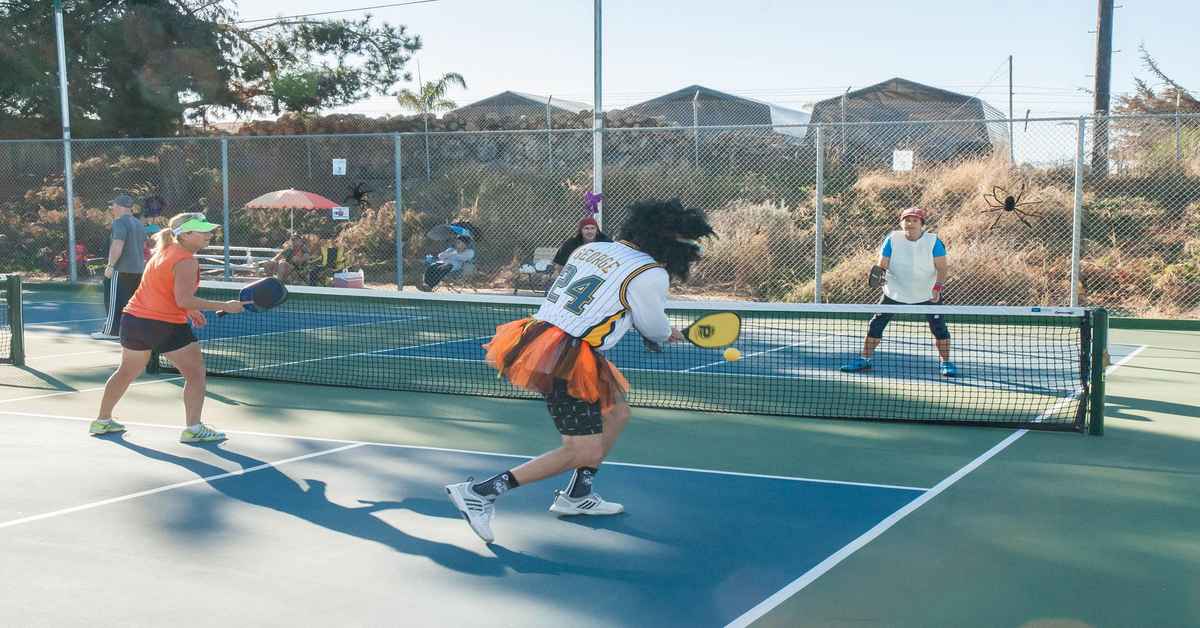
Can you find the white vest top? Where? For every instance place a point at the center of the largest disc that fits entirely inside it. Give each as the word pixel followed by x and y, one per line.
pixel 911 274
pixel 604 289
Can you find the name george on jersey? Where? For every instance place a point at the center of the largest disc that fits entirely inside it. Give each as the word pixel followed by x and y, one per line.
pixel 601 261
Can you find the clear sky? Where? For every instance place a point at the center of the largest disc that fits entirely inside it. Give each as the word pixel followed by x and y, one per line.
pixel 789 52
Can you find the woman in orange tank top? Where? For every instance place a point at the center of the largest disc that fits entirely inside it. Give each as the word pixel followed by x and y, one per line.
pixel 157 320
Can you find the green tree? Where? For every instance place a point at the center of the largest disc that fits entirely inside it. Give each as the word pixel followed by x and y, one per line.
pixel 147 67
pixel 430 97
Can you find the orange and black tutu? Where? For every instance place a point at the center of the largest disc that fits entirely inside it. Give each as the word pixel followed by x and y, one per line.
pixel 531 354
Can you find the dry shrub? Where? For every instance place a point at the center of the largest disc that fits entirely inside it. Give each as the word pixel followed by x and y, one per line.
pixel 963 184
pixel 371 242
pixel 1119 280
pixel 1179 283
pixel 756 248
pixel 844 283
pixel 989 271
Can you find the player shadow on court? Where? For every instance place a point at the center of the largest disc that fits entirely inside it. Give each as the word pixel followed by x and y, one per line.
pixel 1118 407
pixel 519 562
pixel 307 500
pixel 620 524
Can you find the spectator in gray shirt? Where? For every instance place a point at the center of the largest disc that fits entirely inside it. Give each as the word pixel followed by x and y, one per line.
pixel 125 264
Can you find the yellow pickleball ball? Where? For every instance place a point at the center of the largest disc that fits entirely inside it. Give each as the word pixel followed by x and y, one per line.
pixel 732 354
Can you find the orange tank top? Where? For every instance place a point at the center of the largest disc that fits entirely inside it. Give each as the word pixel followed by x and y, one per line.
pixel 155 296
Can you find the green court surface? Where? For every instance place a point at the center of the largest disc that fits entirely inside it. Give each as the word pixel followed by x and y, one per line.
pixel 810 522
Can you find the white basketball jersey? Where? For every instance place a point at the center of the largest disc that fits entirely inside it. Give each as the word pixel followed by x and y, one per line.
pixel 591 298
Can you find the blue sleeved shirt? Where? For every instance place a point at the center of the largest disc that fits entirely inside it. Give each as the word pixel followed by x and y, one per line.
pixel 939 249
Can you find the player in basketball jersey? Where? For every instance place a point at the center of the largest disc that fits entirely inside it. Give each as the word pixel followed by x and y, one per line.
pixel 603 290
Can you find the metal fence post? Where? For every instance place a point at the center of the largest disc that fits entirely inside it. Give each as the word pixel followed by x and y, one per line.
pixel 428 168
pixel 399 200
pixel 549 137
pixel 69 176
pixel 1178 133
pixel 597 109
pixel 696 130
pixel 225 202
pixel 819 214
pixel 68 171
pixel 1077 210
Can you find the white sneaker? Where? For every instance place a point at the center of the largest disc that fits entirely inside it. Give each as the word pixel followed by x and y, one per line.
pixel 99 335
pixel 590 504
pixel 475 508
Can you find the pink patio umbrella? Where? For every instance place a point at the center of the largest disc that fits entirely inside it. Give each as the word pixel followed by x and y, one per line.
pixel 291 199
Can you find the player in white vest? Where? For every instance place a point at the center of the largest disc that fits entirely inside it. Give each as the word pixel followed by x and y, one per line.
pixel 915 261
pixel 604 289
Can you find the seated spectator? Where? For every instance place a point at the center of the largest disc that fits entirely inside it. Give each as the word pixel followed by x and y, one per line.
pixel 587 233
pixel 452 260
pixel 289 264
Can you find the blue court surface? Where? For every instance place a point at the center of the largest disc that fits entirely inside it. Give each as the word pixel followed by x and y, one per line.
pixel 326 507
pixel 304 531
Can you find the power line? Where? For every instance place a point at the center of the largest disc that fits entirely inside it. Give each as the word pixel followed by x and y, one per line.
pixel 377 6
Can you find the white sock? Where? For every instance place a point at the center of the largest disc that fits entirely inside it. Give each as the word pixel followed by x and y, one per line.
pixel 104 420
pixel 195 429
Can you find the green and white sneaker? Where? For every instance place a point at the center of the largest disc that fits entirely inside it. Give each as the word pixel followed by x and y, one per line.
pixel 201 433
pixel 99 428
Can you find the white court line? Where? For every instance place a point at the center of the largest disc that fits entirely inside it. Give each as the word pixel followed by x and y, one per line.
pixel 810 576
pixel 77 320
pixel 750 355
pixel 40 303
pixel 318 439
pixel 114 351
pixel 171 487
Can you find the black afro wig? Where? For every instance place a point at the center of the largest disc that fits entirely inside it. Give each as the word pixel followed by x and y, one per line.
pixel 665 230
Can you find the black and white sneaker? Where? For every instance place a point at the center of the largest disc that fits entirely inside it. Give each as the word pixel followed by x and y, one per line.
pixel 475 508
pixel 590 504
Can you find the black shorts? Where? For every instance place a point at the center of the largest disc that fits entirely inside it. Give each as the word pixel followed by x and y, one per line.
pixel 573 417
pixel 937 324
pixel 144 334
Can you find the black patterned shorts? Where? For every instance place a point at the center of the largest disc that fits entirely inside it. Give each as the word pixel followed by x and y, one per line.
pixel 573 417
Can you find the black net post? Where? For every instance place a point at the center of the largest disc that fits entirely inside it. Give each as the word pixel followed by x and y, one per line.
pixel 1099 350
pixel 154 366
pixel 15 320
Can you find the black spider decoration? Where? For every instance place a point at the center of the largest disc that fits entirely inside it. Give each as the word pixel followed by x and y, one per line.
pixel 358 194
pixel 1001 201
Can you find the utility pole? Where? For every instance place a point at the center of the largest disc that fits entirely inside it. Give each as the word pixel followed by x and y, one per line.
pixel 1104 37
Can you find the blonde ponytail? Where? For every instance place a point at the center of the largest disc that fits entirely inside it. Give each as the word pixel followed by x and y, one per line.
pixel 166 237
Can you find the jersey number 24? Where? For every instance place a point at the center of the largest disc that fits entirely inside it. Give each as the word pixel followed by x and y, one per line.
pixel 579 291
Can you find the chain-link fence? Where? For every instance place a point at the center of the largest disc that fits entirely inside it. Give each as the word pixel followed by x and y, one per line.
pixel 1098 212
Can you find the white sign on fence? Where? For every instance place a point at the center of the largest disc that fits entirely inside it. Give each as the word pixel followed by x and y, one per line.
pixel 339 167
pixel 341 213
pixel 902 160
